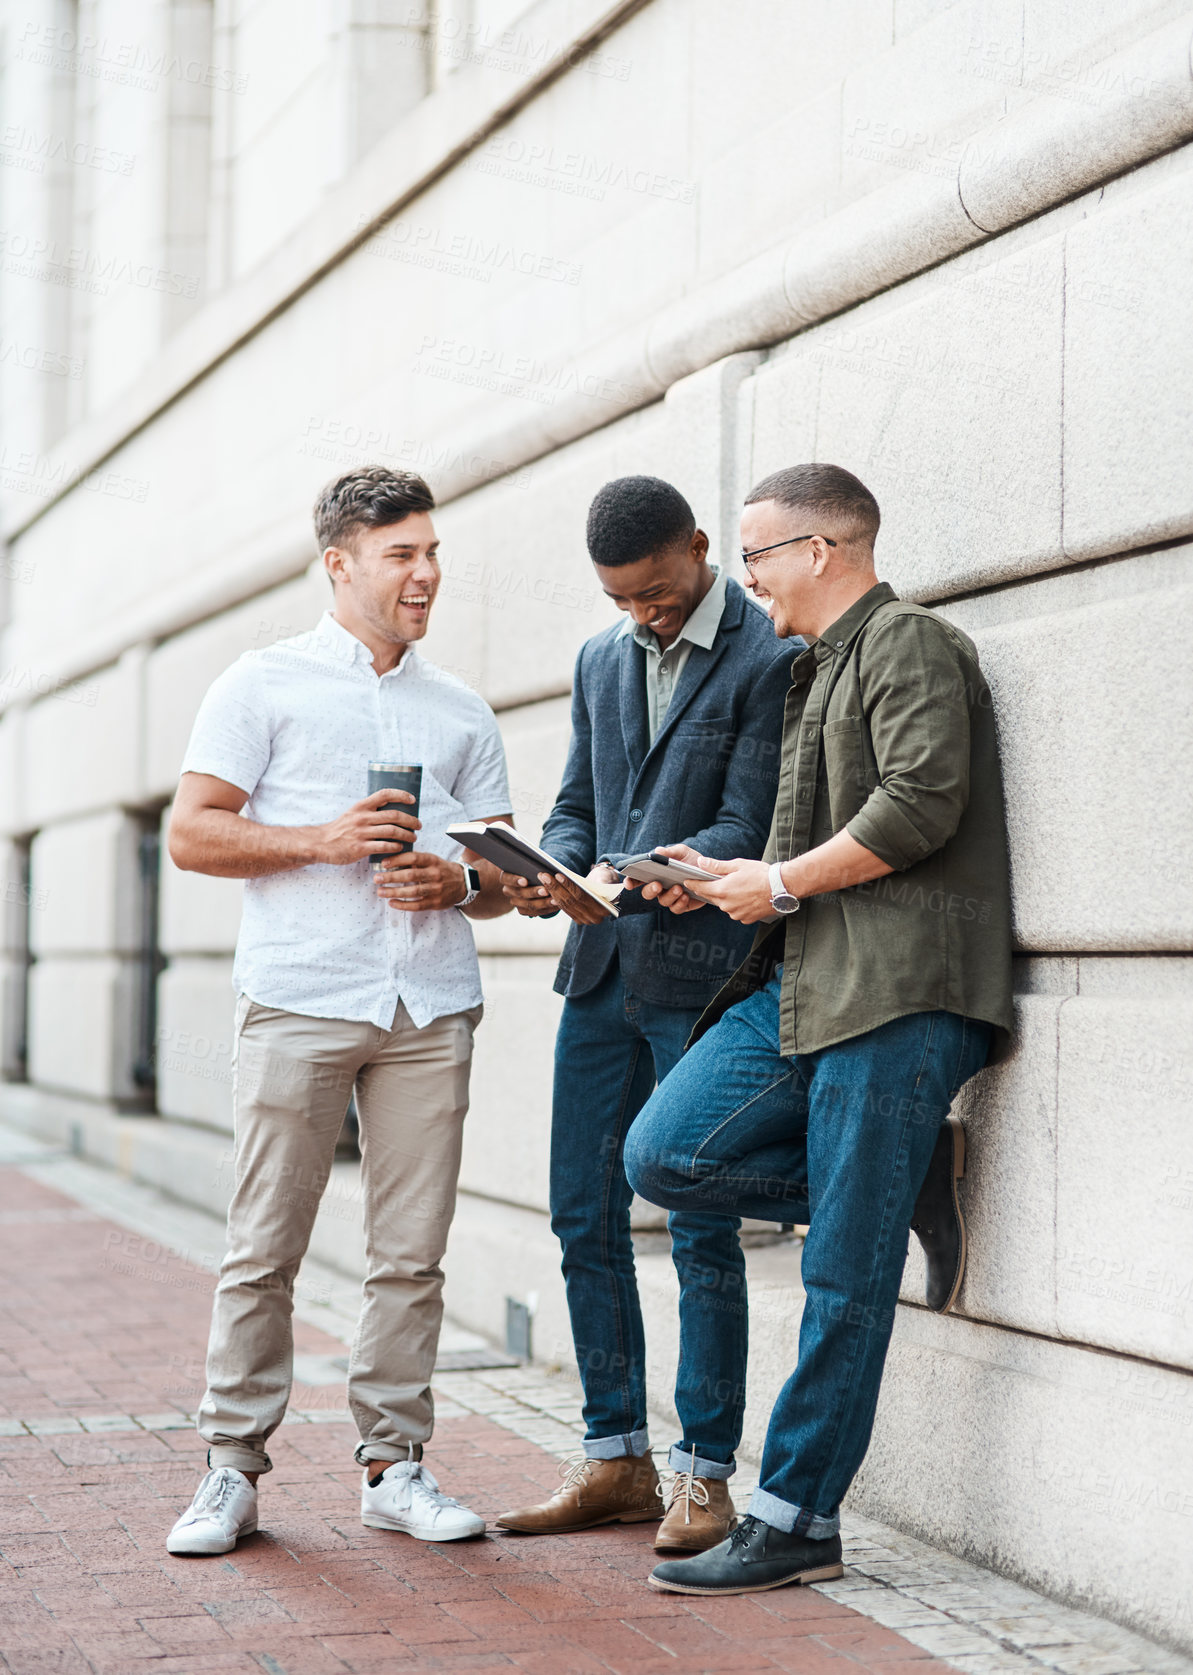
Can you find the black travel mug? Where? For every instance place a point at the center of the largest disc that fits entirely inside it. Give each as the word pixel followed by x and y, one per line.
pixel 396 776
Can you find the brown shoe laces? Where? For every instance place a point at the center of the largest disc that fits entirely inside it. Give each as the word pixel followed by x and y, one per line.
pixel 573 1469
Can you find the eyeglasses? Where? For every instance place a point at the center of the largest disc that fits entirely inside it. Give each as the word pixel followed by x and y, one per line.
pixel 749 559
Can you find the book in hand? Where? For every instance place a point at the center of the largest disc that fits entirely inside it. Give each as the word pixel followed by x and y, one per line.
pixel 653 867
pixel 497 842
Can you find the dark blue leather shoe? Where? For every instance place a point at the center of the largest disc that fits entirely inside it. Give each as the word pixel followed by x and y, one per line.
pixel 754 1558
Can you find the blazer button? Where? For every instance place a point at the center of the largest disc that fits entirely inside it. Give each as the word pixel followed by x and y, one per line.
pixel 635 814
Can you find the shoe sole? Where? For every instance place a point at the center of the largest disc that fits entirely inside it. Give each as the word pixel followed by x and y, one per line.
pixel 210 1552
pixel 822 1573
pixel 578 1529
pixel 958 1133
pixel 420 1532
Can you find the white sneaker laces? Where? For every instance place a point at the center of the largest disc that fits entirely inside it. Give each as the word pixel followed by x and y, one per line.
pixel 425 1487
pixel 216 1488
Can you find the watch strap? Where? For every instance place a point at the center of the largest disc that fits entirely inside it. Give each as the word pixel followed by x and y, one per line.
pixel 779 890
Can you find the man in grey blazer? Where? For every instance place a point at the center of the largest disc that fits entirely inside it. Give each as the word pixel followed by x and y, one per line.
pixel 677 717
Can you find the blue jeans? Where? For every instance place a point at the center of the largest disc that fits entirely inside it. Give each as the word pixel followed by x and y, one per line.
pixel 610 1051
pixel 840 1139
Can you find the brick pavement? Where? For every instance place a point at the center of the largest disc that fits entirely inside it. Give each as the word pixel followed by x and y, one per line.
pixel 96 1325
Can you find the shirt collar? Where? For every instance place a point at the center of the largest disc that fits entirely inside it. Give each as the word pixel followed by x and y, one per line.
pixel 700 629
pixel 839 635
pixel 346 648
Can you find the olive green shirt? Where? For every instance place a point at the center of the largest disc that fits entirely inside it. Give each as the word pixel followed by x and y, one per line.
pixel 889 734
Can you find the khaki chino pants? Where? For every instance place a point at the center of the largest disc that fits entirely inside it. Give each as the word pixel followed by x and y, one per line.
pixel 292 1079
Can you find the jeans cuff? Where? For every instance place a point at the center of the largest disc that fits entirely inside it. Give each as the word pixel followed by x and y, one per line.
pixel 793 1520
pixel 635 1443
pixel 239 1455
pixel 685 1459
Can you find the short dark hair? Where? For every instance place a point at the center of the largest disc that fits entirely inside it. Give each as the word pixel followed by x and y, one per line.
pixel 636 517
pixel 367 498
pixel 826 491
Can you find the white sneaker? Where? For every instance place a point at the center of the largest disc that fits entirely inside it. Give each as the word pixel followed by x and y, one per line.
pixel 224 1509
pixel 406 1497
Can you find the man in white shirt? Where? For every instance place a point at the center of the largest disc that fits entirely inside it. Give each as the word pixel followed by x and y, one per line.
pixel 347 979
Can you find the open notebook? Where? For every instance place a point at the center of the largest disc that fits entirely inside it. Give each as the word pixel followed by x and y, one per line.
pixel 496 841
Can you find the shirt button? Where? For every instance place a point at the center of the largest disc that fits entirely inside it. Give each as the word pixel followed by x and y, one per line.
pixel 840 643
pixel 635 814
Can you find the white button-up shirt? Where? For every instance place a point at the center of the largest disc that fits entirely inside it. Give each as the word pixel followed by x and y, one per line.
pixel 296 726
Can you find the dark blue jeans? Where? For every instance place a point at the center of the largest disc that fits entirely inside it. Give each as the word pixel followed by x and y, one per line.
pixel 840 1139
pixel 610 1051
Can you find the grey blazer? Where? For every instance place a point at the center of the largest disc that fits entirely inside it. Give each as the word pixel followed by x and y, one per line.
pixel 709 780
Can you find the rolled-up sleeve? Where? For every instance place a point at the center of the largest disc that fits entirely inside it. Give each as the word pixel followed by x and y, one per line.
pixel 916 697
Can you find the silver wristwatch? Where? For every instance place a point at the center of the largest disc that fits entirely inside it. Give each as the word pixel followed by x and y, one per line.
pixel 781 898
pixel 473 880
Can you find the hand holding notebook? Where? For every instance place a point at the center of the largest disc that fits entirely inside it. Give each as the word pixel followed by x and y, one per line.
pixel 497 842
pixel 654 866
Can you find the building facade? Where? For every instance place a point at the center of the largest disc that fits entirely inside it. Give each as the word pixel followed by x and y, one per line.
pixel 248 244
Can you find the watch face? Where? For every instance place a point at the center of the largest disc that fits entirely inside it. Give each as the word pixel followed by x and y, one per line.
pixel 781 898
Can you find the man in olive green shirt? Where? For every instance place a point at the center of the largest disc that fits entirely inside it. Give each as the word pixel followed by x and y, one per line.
pixel 817 1086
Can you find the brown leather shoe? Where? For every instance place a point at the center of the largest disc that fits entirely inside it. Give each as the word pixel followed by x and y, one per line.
pixel 700 1515
pixel 624 1491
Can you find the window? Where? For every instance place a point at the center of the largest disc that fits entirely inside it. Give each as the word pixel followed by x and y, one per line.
pixel 150 962
pixel 17 961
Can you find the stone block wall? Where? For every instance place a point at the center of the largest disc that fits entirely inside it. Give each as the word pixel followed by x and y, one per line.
pixel 946 246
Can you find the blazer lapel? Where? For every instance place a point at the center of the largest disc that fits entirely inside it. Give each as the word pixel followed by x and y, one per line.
pixel 635 724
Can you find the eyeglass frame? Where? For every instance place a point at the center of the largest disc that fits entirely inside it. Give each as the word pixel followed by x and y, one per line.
pixel 748 558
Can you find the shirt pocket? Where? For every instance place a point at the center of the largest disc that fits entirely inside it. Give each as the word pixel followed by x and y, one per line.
pixel 849 769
